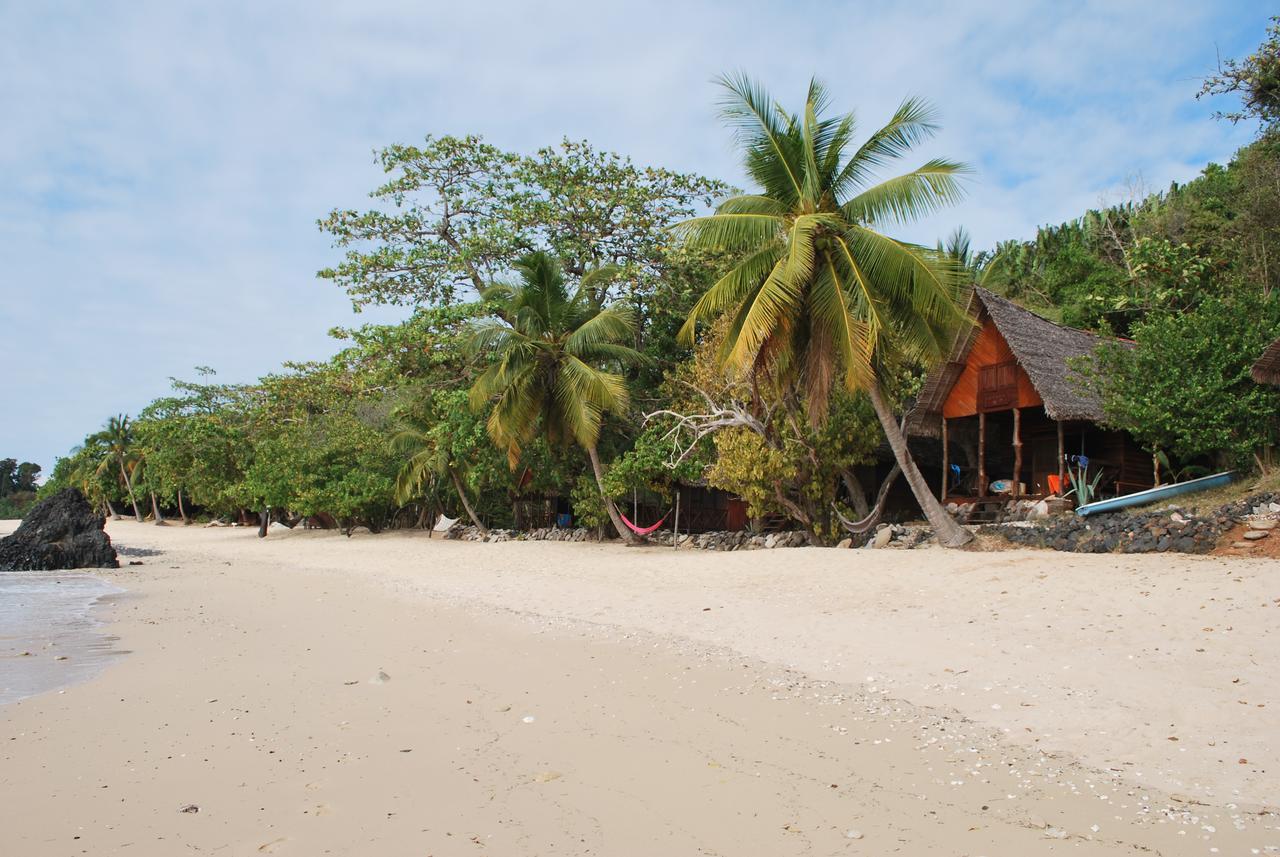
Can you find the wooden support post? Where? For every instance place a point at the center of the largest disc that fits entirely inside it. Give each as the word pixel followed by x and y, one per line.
pixel 982 454
pixel 1017 452
pixel 675 529
pixel 1062 459
pixel 946 463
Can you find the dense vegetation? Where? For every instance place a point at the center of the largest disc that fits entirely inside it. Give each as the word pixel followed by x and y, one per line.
pixel 18 485
pixel 587 330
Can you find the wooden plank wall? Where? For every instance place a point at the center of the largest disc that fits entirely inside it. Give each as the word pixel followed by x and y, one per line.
pixel 989 349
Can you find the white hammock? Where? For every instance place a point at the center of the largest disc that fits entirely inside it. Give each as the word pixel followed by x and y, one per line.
pixel 443 524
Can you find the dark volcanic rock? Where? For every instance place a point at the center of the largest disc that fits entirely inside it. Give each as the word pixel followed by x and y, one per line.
pixel 1174 529
pixel 60 532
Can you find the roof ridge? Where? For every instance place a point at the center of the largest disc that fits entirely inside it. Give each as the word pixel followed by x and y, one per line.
pixel 983 294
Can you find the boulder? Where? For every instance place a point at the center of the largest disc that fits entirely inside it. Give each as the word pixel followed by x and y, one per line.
pixel 60 532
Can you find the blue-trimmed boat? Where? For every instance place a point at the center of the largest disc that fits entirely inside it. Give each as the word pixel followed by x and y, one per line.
pixel 1152 495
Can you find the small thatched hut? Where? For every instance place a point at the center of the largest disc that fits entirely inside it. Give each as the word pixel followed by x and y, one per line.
pixel 1267 369
pixel 1007 404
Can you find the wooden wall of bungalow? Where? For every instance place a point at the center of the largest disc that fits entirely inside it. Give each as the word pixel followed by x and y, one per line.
pixel 702 509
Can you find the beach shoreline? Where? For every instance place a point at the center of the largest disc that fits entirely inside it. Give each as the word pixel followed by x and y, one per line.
pixel 747 679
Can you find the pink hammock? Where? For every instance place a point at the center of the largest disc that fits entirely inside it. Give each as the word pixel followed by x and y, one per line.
pixel 642 531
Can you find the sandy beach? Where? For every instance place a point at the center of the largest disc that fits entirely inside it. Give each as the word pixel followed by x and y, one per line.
pixel 399 695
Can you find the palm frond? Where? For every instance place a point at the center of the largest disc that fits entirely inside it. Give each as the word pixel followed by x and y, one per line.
pixel 733 288
pixel 766 133
pixel 583 394
pixel 909 196
pixel 731 231
pixel 774 305
pixel 613 325
pixel 913 122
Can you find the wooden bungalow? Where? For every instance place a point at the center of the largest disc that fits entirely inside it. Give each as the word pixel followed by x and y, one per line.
pixel 1008 407
pixel 1267 369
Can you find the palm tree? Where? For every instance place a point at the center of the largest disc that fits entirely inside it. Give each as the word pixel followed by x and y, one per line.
pixel 819 294
pixel 428 459
pixel 117 442
pixel 549 351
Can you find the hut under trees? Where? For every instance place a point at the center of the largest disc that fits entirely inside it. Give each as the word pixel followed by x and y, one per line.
pixel 1010 409
pixel 1267 369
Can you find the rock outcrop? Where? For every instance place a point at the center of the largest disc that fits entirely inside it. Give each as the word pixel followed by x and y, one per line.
pixel 1174 529
pixel 60 532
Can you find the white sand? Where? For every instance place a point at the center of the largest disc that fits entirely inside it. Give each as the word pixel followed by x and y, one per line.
pixel 823 691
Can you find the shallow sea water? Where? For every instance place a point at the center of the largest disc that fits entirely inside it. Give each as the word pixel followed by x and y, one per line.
pixel 50 632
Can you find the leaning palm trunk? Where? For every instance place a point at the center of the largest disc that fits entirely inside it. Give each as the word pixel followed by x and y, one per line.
pixel 128 484
pixel 945 528
pixel 466 503
pixel 182 510
pixel 625 532
pixel 156 515
pixel 115 516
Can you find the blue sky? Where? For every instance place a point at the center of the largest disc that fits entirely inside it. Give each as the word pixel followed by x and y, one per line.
pixel 162 164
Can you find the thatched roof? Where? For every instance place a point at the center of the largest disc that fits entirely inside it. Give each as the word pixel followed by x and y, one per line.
pixel 1041 347
pixel 1267 369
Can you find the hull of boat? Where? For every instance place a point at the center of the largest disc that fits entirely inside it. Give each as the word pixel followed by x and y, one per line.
pixel 1152 495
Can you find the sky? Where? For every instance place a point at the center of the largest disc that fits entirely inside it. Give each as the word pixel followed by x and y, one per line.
pixel 163 164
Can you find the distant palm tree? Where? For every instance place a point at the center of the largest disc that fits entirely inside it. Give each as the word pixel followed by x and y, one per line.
pixel 549 351
pixel 428 459
pixel 116 440
pixel 819 293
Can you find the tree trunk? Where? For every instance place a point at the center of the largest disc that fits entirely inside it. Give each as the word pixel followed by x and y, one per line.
pixel 945 529
pixel 466 504
pixel 869 520
pixel 128 484
pixel 182 510
pixel 627 535
pixel 857 496
pixel 115 516
pixel 156 515
pixel 264 519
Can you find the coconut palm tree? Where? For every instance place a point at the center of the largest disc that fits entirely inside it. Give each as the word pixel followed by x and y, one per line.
pixel 550 351
pixel 819 293
pixel 116 440
pixel 427 460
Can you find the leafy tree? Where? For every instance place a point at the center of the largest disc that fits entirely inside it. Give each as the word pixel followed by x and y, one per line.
pixel 751 437
pixel 444 444
pixel 17 487
pixel 116 443
pixel 547 375
pixel 819 295
pixel 457 212
pixel 1185 388
pixel 318 435
pixel 1256 79
pixel 81 469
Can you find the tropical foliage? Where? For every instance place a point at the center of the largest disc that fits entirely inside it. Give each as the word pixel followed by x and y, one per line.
pixel 18 486
pixel 549 358
pixel 819 293
pixel 587 333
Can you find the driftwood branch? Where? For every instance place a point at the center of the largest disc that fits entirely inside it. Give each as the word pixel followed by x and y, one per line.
pixel 690 429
